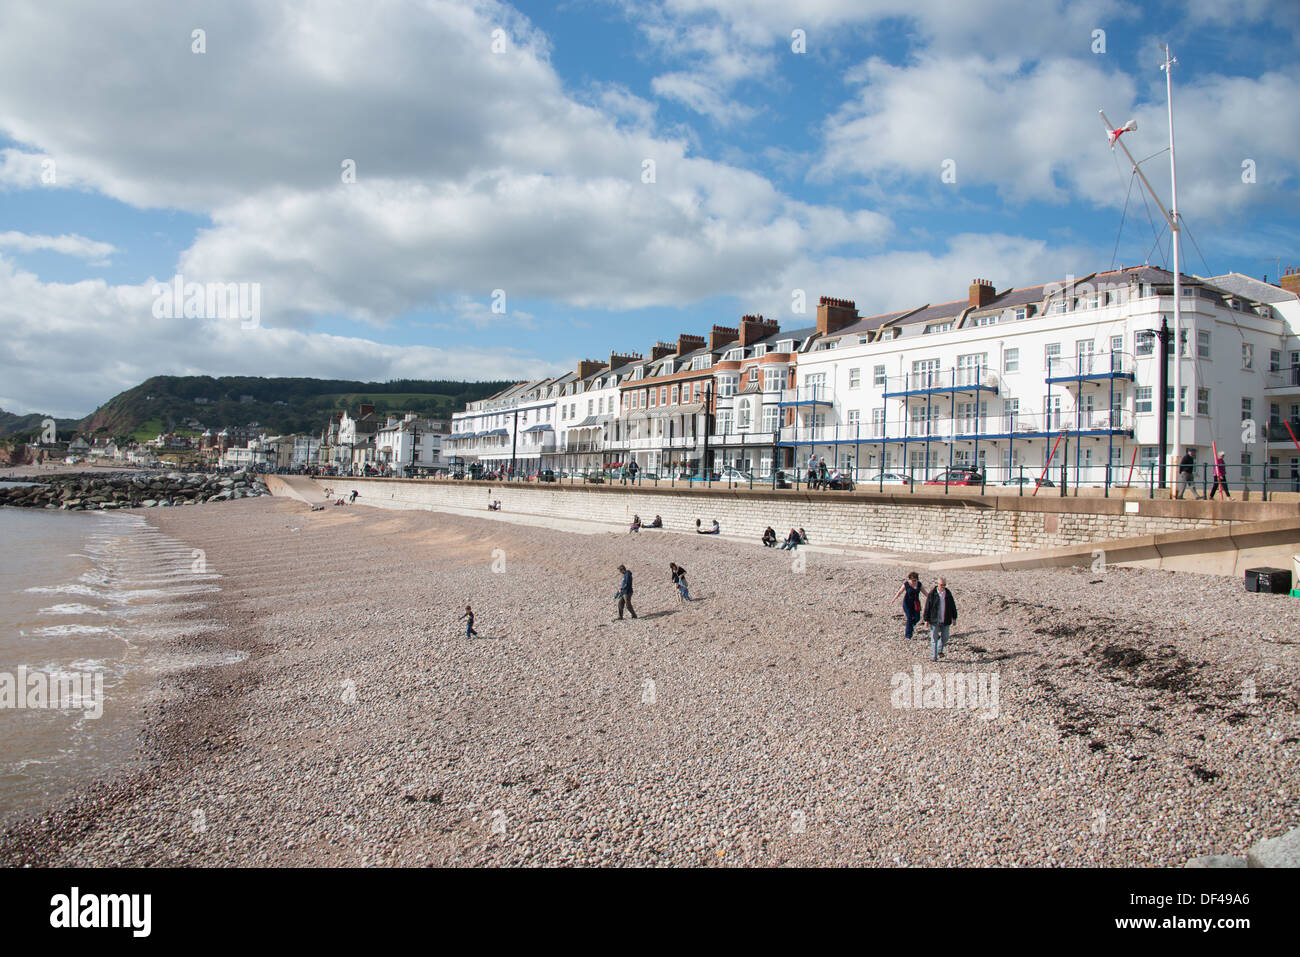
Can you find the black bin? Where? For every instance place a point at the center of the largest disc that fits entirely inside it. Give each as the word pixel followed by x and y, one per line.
pixel 1276 581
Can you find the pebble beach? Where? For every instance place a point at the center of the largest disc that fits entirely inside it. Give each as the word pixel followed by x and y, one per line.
pixel 1142 718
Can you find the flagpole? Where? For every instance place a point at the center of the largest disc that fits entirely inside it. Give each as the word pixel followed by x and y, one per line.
pixel 1175 228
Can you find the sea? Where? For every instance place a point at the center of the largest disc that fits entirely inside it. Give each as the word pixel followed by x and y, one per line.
pixel 91 607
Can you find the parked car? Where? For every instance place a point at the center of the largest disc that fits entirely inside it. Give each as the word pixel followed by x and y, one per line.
pixel 546 475
pixel 729 474
pixel 1026 480
pixel 957 477
pixel 887 478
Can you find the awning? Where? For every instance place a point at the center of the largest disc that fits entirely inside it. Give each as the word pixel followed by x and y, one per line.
pixel 539 428
pixel 498 432
pixel 591 421
pixel 638 415
pixel 695 408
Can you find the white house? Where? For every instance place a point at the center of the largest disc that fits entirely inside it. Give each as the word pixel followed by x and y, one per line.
pixel 1064 373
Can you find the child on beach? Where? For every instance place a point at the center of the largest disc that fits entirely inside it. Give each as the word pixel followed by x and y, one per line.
pixel 468 619
pixel 912 593
pixel 679 579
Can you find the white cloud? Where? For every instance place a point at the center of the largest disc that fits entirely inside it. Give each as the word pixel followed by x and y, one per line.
pixel 68 347
pixel 69 244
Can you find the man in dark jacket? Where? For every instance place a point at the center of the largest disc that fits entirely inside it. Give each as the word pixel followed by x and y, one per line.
pixel 940 613
pixel 1187 473
pixel 625 593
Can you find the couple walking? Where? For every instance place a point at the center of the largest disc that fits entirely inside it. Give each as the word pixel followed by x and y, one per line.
pixel 624 593
pixel 939 611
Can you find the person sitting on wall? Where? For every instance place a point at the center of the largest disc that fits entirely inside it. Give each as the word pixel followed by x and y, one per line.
pixel 657 523
pixel 791 541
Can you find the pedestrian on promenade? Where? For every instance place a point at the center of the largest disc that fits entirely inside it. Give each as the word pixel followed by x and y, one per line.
pixel 940 613
pixel 624 594
pixel 912 593
pixel 468 619
pixel 679 579
pixel 1220 477
pixel 812 471
pixel 1187 473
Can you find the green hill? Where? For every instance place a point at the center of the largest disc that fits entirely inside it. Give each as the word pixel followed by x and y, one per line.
pixel 277 405
pixel 27 428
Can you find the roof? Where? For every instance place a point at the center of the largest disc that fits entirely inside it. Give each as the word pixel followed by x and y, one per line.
pixel 1247 287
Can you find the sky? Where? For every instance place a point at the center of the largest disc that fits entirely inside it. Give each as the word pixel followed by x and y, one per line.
pixel 478 190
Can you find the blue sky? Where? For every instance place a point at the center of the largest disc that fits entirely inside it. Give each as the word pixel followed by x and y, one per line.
pixel 515 162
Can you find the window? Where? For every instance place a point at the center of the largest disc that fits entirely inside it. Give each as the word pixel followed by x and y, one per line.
pixel 1274 360
pixel 727 385
pixel 990 320
pixel 785 345
pixel 1116 343
pixel 1247 409
pixel 1051 355
pixel 1023 313
pixel 877 423
pixel 854 417
pixel 654 395
pixel 673 393
pixel 1149 457
pixel 878 376
pixel 1142 398
pixel 760 351
pixel 1052 405
pixel 1182 399
pixel 724 421
pixel 1011 360
pixel 1245 467
pixel 855 378
pixel 1202 401
pixel 1247 355
pixel 733 355
pixel 590 406
pixel 753 374
pixel 937 327
pixel 1202 344
pixel 1144 343
pixel 663 395
pixel 770 414
pixel 743 414
pixel 771 380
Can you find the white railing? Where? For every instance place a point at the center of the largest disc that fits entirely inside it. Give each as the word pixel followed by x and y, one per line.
pixel 1091 363
pixel 974 377
pixel 807 393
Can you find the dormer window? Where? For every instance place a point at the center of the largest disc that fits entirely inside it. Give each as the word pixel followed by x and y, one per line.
pixel 733 355
pixel 785 345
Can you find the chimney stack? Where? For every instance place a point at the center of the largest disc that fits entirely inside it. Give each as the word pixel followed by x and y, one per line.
pixel 688 343
pixel 661 349
pixel 753 328
pixel 617 359
pixel 588 367
pixel 834 314
pixel 720 336
pixel 1290 280
pixel 981 293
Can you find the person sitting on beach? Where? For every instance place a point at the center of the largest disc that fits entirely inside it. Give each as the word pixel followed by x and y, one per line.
pixel 657 523
pixel 769 537
pixel 803 536
pixel 712 531
pixel 636 524
pixel 791 541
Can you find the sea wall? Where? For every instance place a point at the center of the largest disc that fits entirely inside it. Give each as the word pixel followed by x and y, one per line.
pixel 920 522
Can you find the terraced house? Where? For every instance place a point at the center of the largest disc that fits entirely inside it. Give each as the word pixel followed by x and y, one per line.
pixel 1006 382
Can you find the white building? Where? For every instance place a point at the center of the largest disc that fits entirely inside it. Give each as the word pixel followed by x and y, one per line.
pixel 408 443
pixel 1067 372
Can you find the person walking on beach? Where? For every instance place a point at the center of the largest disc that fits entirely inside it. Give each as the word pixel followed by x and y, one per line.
pixel 679 579
pixel 1220 477
pixel 353 497
pixel 940 613
pixel 912 593
pixel 1187 473
pixel 624 594
pixel 468 619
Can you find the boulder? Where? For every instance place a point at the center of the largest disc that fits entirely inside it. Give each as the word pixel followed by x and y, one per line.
pixel 1281 851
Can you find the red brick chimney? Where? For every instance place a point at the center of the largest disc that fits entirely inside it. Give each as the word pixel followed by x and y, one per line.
pixel 1290 280
pixel 753 328
pixel 588 367
pixel 981 293
pixel 834 314
pixel 687 343
pixel 721 336
pixel 661 349
pixel 617 359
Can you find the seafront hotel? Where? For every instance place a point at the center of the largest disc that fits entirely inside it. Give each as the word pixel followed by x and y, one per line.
pixel 1002 381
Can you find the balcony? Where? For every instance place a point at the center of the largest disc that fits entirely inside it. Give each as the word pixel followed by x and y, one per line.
pixel 734 439
pixel 1282 381
pixel 1091 367
pixel 1283 433
pixel 966 428
pixel 807 395
pixel 929 382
